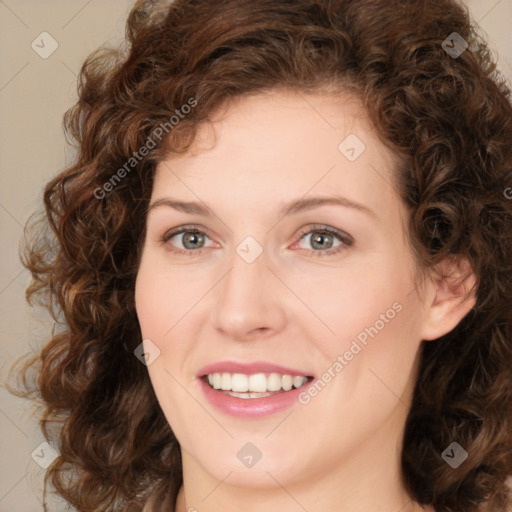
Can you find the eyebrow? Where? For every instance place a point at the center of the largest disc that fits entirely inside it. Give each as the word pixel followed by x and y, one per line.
pixel 294 207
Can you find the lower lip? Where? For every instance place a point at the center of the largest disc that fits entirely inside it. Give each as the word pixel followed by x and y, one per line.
pixel 251 407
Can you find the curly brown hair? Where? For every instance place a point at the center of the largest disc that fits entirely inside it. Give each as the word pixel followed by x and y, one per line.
pixel 449 118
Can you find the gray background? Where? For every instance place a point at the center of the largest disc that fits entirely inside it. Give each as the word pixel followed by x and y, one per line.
pixel 34 94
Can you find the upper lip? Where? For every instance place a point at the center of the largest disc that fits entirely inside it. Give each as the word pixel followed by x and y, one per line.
pixel 249 368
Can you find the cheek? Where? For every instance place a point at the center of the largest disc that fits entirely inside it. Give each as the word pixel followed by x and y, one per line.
pixel 379 353
pixel 149 304
pixel 162 296
pixel 159 308
pixel 373 318
pixel 164 300
pixel 352 299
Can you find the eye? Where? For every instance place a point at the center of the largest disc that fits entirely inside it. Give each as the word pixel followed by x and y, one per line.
pixel 191 238
pixel 323 240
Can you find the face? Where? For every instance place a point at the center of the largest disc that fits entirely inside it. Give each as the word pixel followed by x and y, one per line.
pixel 275 257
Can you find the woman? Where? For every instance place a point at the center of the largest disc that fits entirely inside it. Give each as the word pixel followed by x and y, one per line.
pixel 283 260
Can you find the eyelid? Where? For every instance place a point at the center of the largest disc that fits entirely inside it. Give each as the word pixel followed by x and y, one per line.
pixel 180 229
pixel 346 240
pixel 344 237
pixel 164 239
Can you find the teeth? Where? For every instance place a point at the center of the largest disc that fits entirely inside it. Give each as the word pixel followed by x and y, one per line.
pixel 287 383
pixel 274 381
pixel 260 384
pixel 225 381
pixel 298 381
pixel 239 382
pixel 257 382
pixel 248 395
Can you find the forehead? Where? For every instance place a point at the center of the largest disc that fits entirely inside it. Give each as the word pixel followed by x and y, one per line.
pixel 282 145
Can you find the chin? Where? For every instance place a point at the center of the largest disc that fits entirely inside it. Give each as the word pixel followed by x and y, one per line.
pixel 261 474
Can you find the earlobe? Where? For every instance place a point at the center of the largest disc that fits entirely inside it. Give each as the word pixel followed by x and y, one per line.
pixel 454 290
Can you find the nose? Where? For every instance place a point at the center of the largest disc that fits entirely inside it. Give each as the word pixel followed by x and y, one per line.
pixel 249 302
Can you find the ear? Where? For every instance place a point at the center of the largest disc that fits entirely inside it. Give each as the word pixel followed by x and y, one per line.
pixel 452 294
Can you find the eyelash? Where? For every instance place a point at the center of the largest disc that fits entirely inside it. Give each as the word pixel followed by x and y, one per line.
pixel 344 238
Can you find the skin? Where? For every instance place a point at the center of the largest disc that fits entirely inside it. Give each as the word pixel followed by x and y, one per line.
pixel 341 450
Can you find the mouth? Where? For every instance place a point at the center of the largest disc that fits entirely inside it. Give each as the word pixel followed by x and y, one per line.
pixel 251 390
pixel 255 385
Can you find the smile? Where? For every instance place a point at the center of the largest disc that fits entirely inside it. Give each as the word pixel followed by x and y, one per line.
pixel 256 385
pixel 251 390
